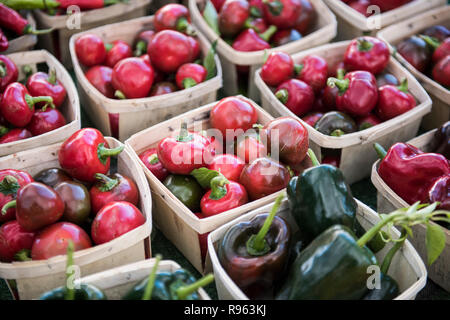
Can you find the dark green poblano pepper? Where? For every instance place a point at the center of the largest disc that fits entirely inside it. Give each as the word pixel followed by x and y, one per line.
pixel 335 265
pixel 177 285
pixel 84 292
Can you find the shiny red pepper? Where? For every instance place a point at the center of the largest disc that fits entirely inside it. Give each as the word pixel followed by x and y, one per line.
pixel 259 25
pixel 441 49
pixel 100 78
pixel 189 75
pixel 282 13
pixel 15 135
pixel 8 72
pixel 13 21
pixel 46 120
pixel 142 41
pixel 441 72
pixel 116 51
pixel 115 187
pixel 90 50
pixel 15 242
pixel 358 93
pixel 409 172
pixel 314 71
pixel 249 40
pixel 86 153
pixel 4 43
pixel 368 54
pixel 173 16
pixel 87 4
pixel 296 95
pixel 10 182
pixel 132 78
pixel 394 101
pixel 163 87
pixel 232 17
pixel 312 118
pixel 278 67
pixel 307 17
pixel 229 165
pixel 17 105
pixel 43 84
pixel 440 192
pixel 151 161
pixel 368 122
pixel 186 152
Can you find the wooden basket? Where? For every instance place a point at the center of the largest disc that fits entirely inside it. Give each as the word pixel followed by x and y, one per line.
pixel 407 268
pixel 138 114
pixel 323 32
pixel 171 216
pixel 57 42
pixel 438 93
pixel 352 24
pixel 116 282
pixel 388 200
pixel 357 154
pixel 25 42
pixel 36 277
pixel 70 109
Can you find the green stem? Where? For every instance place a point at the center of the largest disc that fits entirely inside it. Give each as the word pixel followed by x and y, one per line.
pixel 257 244
pixel 380 151
pixel 337 133
pixel 275 7
pixel 282 95
pixel 107 183
pixel 189 83
pixel 255 12
pixel 104 153
pixel 151 279
pixel 119 95
pixel 341 84
pixel 266 35
pixel 52 77
pixel 218 189
pixel 183 25
pixel 23 255
pixel 3 130
pixel 298 69
pixel 3 72
pixel 30 30
pixel 313 158
pixel 391 253
pixel 184 291
pixel 70 292
pixel 432 42
pixel 31 101
pixel 340 73
pixel 27 70
pixel 111 2
pixel 141 48
pixel 364 45
pixel 11 204
pixel 374 230
pixel 184 135
pixel 108 47
pixel 403 86
pixel 153 159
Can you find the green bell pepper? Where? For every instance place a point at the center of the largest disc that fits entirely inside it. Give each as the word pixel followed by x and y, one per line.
pixel 186 189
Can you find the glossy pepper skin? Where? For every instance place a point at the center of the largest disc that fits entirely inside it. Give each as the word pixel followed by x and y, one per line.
pixel 442 140
pixel 101 78
pixel 410 172
pixel 282 13
pixel 173 16
pixel 394 101
pixel 232 17
pixel 358 93
pixel 15 135
pixel 229 165
pixel 440 191
pixel 249 40
pixel 46 120
pixel 416 51
pixel 14 239
pixel 90 50
pixel 278 67
pixel 10 182
pixel 440 49
pixel 8 72
pixel 189 75
pixel 115 187
pixel 307 17
pixel 314 71
pixel 297 95
pixel 132 78
pixel 117 51
pixel 142 41
pixel 151 161
pixel 186 189
pixel 161 88
pixel 336 124
pixel 87 4
pixel 76 200
pixel 311 204
pixel 4 43
pixel 441 71
pixel 256 273
pixel 86 153
pixel 43 84
pixel 52 176
pixel 12 20
pixel 368 54
pixel 321 270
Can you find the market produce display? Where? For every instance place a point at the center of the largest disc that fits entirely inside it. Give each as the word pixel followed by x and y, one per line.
pixel 42 214
pixel 429 52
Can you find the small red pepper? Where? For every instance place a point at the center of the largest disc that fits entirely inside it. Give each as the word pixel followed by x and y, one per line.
pixel 115 187
pixel 87 4
pixel 86 153
pixel 4 43
pixel 227 164
pixel 15 135
pixel 114 220
pixel 8 72
pixel 142 41
pixel 151 161
pixel 46 120
pixel 13 21
pixel 195 48
pixel 297 95
pixel 394 101
pixel 249 148
pixel 116 51
pixel 173 16
pixel 163 87
pixel 259 25
pixel 15 242
pixel 368 54
pixel 441 49
pixel 43 84
pixel 314 71
pixel 278 67
pixel 368 122
pixel 409 172
pixel 100 78
pixel 232 17
pixel 307 17
pixel 358 93
pixel 282 13
pixel 186 152
pixel 132 78
pixel 361 6
pixel 441 72
pixel 189 75
pixel 10 182
pixel 330 93
pixel 249 40
pixel 440 192
pixel 17 105
pixel 416 51
pixel 90 50
pixel 312 118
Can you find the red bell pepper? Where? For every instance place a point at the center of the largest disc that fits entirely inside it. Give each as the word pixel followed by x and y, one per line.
pixel 142 41
pixel 278 68
pixel 13 21
pixel 189 75
pixel 358 93
pixel 441 72
pixel 368 122
pixel 46 120
pixel 15 135
pixel 132 78
pixel 394 101
pixel 86 153
pixel 229 165
pixel 440 192
pixel 282 13
pixel 100 78
pixel 297 95
pixel 115 187
pixel 151 161
pixel 307 17
pixel 10 182
pixel 8 72
pixel 314 71
pixel 249 40
pixel 232 17
pixel 441 49
pixel 312 118
pixel 409 172
pixel 43 84
pixel 368 54
pixel 163 87
pixel 116 51
pixel 90 50
pixel 173 16
pixel 15 242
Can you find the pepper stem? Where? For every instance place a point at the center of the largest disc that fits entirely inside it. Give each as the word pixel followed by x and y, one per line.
pixel 403 86
pixel 282 95
pixel 432 42
pixel 31 101
pixel 364 44
pixel 52 77
pixel 391 253
pixel 70 291
pixel 23 255
pixel 341 84
pixel 257 244
pixel 3 130
pixel 184 135
pixel 266 35
pixel 119 95
pixel 188 83
pixel 151 279
pixel 337 133
pixel 107 183
pixel 153 159
pixel 27 70
pixel 108 47
pixel 275 7
pixel 380 151
pixel 183 25
pixel 298 68
pixel 313 158
pixel 255 12
pixel 3 72
pixel 184 291
pixel 340 73
pixel 104 153
pixel 218 189
pixel 111 2
pixel 9 205
pixel 141 48
pixel 30 30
